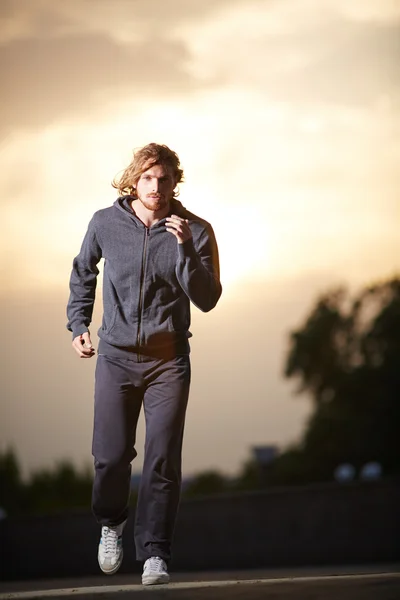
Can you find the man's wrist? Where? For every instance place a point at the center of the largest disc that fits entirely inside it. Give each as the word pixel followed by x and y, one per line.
pixel 79 330
pixel 186 248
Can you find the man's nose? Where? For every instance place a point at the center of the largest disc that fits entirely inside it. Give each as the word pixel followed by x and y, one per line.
pixel 156 184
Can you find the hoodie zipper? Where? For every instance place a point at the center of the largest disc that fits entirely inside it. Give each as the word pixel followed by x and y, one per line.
pixel 141 290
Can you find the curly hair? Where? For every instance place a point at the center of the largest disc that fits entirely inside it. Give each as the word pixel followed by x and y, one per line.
pixel 143 159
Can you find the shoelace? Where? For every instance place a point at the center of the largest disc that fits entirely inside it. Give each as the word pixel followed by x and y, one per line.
pixel 110 539
pixel 156 564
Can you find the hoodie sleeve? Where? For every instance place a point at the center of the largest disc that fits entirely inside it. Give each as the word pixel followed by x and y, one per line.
pixel 83 283
pixel 198 270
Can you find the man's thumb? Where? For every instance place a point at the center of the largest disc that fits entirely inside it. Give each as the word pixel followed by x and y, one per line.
pixel 86 339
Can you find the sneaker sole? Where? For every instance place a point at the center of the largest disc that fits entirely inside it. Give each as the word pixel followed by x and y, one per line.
pixel 155 579
pixel 115 567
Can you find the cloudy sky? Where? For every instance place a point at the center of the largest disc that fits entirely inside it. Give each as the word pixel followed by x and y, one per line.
pixel 285 114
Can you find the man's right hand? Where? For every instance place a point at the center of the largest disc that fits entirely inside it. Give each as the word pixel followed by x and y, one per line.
pixel 83 345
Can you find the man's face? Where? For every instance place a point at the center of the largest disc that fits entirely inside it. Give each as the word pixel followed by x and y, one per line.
pixel 155 187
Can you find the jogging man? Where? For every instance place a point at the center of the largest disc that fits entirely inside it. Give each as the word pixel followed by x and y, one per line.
pixel 157 258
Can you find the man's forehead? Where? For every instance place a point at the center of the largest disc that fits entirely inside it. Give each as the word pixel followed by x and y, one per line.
pixel 158 170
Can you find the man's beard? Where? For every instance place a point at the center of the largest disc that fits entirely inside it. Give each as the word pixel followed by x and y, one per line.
pixel 154 204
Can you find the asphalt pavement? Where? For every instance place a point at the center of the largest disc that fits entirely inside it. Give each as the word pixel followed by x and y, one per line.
pixel 359 582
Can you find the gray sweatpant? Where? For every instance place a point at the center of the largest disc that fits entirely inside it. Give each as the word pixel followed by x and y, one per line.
pixel 121 386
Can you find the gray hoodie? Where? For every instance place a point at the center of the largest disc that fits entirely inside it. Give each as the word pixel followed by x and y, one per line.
pixel 148 281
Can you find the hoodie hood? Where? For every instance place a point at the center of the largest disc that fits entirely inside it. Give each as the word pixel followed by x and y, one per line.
pixel 123 204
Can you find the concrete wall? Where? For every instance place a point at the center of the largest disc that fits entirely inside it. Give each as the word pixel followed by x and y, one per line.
pixel 311 525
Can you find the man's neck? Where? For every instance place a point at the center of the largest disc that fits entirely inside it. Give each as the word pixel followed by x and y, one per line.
pixel 149 217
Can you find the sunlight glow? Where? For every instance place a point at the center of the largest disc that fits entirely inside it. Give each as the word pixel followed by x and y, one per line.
pixel 273 192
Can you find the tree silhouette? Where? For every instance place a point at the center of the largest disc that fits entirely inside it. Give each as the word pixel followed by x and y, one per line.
pixel 347 357
pixel 60 488
pixel 47 490
pixel 209 482
pixel 11 486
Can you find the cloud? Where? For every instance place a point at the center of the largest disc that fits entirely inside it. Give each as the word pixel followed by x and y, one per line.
pixel 121 19
pixel 298 53
pixel 385 11
pixel 358 69
pixel 59 61
pixel 45 80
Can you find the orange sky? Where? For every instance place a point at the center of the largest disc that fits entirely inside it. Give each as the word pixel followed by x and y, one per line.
pixel 286 119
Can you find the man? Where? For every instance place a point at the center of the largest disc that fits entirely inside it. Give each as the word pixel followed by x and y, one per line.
pixel 157 258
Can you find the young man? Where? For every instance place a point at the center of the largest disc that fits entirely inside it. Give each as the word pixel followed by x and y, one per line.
pixel 157 258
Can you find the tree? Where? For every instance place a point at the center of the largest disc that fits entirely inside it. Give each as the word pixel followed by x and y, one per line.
pixel 248 478
pixel 11 486
pixel 347 357
pixel 58 489
pixel 209 482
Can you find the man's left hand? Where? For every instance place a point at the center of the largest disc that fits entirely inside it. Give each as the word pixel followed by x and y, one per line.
pixel 179 227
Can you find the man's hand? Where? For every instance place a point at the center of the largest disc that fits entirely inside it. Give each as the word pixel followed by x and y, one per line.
pixel 179 227
pixel 83 345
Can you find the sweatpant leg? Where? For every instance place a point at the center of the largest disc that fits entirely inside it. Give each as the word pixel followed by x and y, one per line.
pixel 165 401
pixel 116 412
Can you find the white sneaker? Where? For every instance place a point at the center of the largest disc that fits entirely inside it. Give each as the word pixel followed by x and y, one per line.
pixel 110 552
pixel 155 571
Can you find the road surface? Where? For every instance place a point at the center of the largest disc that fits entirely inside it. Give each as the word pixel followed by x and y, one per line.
pixel 371 582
